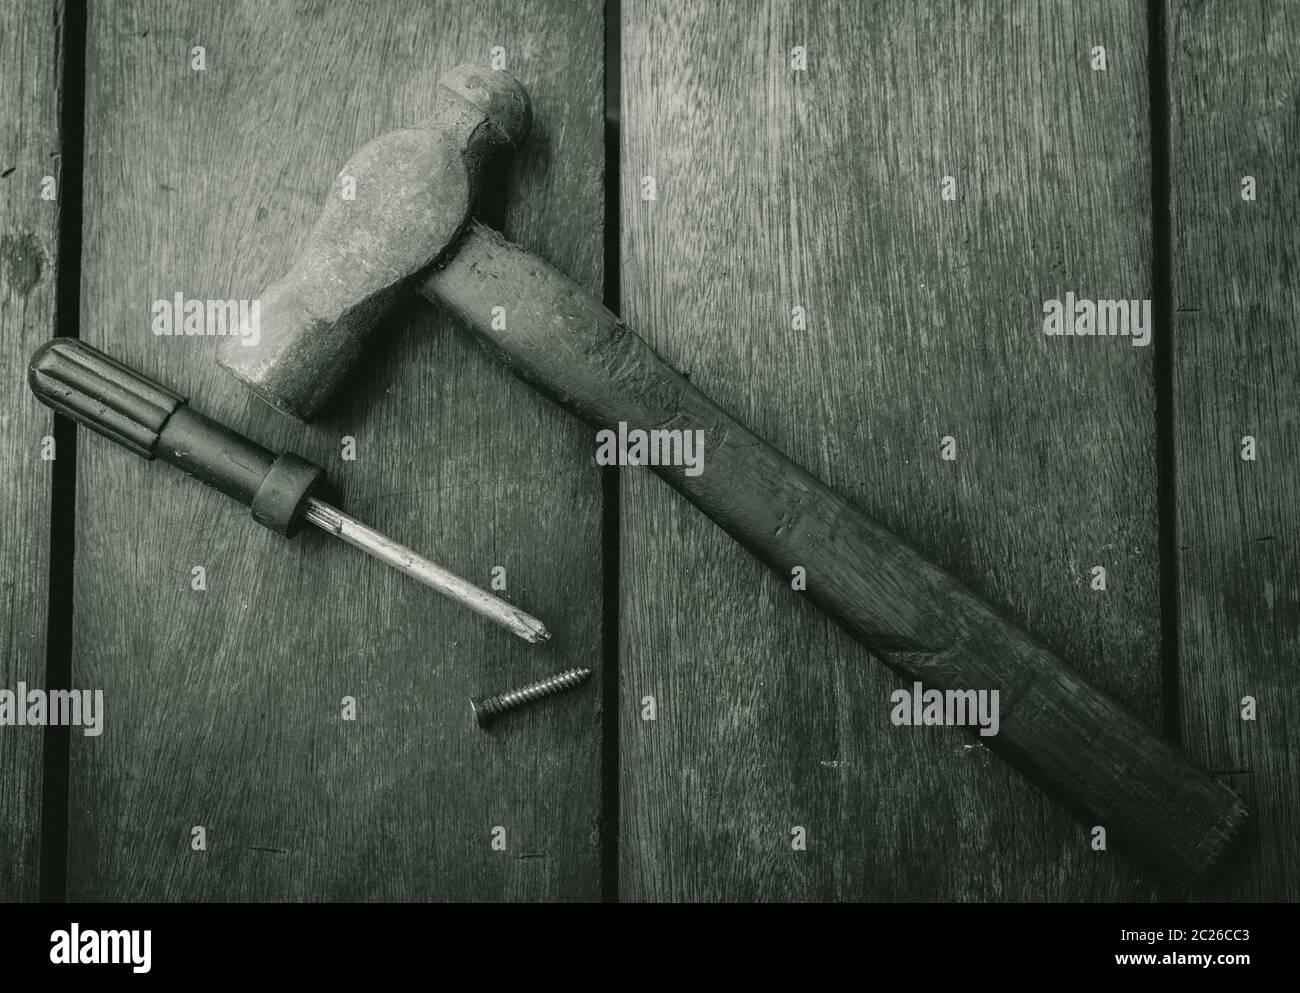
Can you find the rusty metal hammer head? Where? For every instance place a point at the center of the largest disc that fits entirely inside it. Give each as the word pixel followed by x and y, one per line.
pixel 397 206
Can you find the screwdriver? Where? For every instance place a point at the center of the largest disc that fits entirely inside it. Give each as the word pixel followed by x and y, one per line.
pixel 114 400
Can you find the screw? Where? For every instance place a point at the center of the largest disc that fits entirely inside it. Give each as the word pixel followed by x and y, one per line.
pixel 489 707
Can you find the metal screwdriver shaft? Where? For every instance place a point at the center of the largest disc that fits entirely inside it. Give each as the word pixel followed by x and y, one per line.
pixel 147 418
pixel 401 558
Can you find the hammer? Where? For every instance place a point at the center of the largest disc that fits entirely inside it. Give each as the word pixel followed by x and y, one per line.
pixel 410 227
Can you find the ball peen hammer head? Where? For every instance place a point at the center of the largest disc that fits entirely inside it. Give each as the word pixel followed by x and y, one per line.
pixel 414 191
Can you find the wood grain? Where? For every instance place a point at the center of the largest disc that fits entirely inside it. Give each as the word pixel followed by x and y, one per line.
pixel 1234 86
pixel 1076 743
pixel 224 706
pixel 822 190
pixel 31 67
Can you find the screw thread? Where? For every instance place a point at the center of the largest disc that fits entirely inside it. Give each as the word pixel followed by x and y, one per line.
pixel 491 706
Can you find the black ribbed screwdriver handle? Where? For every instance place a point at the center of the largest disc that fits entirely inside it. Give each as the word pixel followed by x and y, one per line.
pixel 116 401
pixel 100 392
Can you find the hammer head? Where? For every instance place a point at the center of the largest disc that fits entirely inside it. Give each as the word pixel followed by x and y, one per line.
pixel 395 209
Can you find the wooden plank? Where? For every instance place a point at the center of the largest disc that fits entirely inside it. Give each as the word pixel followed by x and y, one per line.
pixel 225 705
pixel 822 189
pixel 31 67
pixel 1233 88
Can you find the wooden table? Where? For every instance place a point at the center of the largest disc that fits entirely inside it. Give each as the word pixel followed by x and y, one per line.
pixel 806 262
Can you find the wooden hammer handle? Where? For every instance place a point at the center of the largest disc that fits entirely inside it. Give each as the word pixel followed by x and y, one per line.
pixel 1080 746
